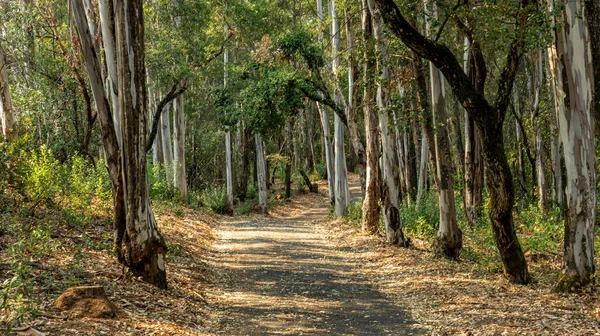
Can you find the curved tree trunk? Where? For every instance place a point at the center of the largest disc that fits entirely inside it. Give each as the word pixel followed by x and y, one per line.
pixel 488 117
pixel 572 76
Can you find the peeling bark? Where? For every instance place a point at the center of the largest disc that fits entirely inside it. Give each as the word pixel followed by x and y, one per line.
pixel 572 77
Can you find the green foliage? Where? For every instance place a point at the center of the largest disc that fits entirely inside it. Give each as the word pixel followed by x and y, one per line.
pixel 215 199
pixel 541 233
pixel 271 98
pixel 43 175
pixel 299 42
pixel 321 170
pixel 160 187
pixel 421 220
pixel 354 213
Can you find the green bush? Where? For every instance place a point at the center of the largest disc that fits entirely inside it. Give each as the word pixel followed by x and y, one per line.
pixel 421 220
pixel 43 175
pixel 321 170
pixel 160 187
pixel 215 199
pixel 354 213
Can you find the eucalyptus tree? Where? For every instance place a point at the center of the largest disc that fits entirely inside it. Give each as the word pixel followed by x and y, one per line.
pixel 390 180
pixel 342 194
pixel 370 206
pixel 138 243
pixel 573 84
pixel 489 118
pixel 448 240
pixel 6 107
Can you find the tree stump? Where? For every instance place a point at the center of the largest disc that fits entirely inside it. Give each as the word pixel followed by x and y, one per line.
pixel 86 301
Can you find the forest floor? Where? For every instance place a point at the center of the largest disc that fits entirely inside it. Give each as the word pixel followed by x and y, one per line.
pixel 297 271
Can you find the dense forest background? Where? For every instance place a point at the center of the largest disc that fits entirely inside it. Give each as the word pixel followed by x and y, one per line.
pixel 469 124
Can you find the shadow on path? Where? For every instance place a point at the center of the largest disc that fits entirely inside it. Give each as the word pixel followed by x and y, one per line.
pixel 280 277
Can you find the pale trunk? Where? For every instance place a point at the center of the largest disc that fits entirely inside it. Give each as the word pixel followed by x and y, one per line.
pixel 558 192
pixel 108 40
pixel 139 245
pixel 422 170
pixel 357 145
pixel 570 59
pixel 341 174
pixel 390 192
pixel 228 153
pixel 6 106
pixel 179 175
pixel 167 145
pixel 448 240
pixel 261 174
pixel 329 158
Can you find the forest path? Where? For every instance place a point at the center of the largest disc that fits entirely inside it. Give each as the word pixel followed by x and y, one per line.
pixel 280 276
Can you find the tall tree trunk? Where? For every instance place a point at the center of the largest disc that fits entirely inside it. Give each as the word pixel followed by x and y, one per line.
pixel 370 206
pixel 448 240
pixel 411 166
pixel 228 153
pixel 261 174
pixel 107 26
pixel 539 146
pixel 389 168
pixel 138 242
pixel 572 76
pixel 489 119
pixel 145 248
pixel 592 13
pixel 558 192
pixel 6 106
pixel 167 145
pixel 422 169
pixel 472 159
pixel 179 177
pixel 356 143
pixel 329 159
pixel 341 173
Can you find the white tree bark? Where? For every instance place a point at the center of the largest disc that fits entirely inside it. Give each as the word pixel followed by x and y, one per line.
pixel 179 175
pixel 570 59
pixel 325 125
pixel 390 192
pixel 261 174
pixel 110 58
pixel 6 105
pixel 228 153
pixel 448 240
pixel 422 169
pixel 558 192
pixel 341 173
pixel 167 145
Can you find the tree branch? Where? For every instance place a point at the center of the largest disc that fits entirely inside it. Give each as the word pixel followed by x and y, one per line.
pixel 176 90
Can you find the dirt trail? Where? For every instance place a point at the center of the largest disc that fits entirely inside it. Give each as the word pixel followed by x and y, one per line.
pixel 279 276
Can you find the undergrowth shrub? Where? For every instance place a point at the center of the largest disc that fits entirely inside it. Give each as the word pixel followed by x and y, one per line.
pixel 321 170
pixel 160 187
pixel 354 213
pixel 215 199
